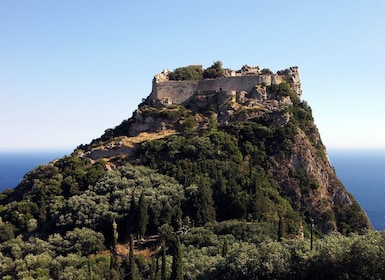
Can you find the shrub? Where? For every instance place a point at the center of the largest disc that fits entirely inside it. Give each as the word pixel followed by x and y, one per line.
pixel 186 73
pixel 214 71
pixel 266 71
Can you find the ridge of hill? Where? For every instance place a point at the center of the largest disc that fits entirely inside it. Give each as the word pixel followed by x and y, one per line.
pixel 215 160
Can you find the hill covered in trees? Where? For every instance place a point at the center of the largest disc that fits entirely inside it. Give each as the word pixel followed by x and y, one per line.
pixel 214 188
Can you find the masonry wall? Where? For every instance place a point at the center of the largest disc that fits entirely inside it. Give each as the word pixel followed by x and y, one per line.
pixel 181 91
pixel 178 91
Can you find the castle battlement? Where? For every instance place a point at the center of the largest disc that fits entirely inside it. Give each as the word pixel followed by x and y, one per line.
pixel 245 79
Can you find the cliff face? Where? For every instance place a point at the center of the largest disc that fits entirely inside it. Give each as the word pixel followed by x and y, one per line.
pixel 251 153
pixel 283 129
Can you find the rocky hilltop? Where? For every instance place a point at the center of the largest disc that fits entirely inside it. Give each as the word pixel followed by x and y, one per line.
pixel 261 125
pixel 214 158
pixel 278 125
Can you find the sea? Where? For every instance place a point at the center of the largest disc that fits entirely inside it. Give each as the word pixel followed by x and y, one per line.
pixel 15 164
pixel 363 174
pixel 361 171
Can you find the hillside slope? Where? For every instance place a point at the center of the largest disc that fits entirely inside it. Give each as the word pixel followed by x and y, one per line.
pixel 245 141
pixel 220 158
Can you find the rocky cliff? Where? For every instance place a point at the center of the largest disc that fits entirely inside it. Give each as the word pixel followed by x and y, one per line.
pixel 280 128
pixel 233 182
pixel 252 154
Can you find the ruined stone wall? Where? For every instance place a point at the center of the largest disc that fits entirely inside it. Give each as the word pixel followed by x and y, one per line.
pixel 179 92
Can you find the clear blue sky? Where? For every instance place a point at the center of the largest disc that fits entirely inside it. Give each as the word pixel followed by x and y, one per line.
pixel 71 69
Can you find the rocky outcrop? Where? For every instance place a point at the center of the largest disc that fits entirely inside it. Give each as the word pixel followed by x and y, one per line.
pixel 293 77
pixel 324 195
pixel 302 173
pixel 109 153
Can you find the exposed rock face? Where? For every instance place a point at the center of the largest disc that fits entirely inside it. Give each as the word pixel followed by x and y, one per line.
pixel 147 124
pixel 294 79
pixel 110 152
pixel 302 173
pixel 327 191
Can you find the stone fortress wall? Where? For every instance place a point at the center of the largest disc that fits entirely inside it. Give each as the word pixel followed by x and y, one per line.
pixel 178 92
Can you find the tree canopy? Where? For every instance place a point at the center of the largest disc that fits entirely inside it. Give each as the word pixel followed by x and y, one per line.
pixel 203 201
pixel 214 71
pixel 186 73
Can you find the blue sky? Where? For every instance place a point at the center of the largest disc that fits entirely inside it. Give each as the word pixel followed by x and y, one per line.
pixel 71 69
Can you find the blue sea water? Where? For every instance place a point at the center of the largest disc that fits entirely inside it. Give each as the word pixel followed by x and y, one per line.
pixel 362 173
pixel 14 165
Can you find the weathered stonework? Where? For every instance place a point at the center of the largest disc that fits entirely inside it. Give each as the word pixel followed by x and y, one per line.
pixel 244 80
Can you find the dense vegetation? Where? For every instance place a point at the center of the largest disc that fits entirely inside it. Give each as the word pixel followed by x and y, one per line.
pixel 195 72
pixel 186 73
pixel 214 71
pixel 227 250
pixel 220 184
pixel 200 204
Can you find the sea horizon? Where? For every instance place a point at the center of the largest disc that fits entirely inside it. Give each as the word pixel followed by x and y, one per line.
pixel 14 164
pixel 362 171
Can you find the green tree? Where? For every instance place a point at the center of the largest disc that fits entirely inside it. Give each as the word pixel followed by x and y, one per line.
pixel 85 241
pixel 163 269
pixel 131 261
pixel 189 125
pixel 202 202
pixel 225 248
pixel 94 173
pixel 186 73
pixel 177 262
pixel 114 233
pixel 280 229
pixel 213 122
pixel 6 231
pixel 266 71
pixel 70 186
pixel 114 268
pixel 143 215
pixel 132 215
pixel 214 71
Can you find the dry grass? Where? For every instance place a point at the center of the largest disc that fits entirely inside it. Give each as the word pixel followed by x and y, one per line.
pixel 140 249
pixel 145 136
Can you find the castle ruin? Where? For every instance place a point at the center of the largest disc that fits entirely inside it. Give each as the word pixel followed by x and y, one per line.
pixel 244 80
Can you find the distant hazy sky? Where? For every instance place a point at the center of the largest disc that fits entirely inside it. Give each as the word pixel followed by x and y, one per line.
pixel 71 69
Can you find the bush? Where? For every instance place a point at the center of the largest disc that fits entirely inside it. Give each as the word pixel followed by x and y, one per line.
pixel 266 71
pixel 6 231
pixel 214 71
pixel 186 73
pixel 85 241
pixel 200 237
